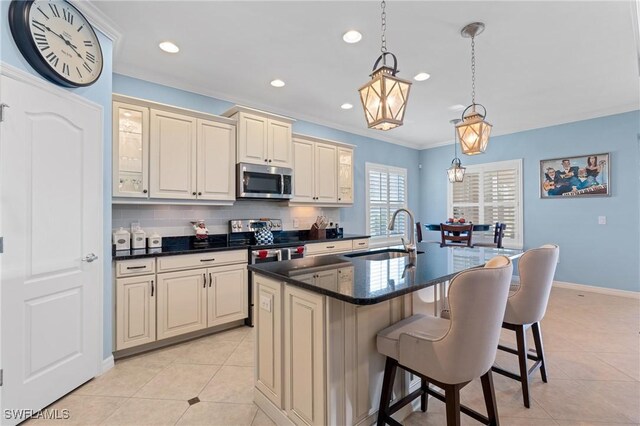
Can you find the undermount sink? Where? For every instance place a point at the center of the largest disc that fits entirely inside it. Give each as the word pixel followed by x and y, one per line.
pixel 381 255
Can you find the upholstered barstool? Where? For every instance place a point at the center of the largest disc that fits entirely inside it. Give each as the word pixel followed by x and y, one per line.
pixel 526 306
pixel 450 352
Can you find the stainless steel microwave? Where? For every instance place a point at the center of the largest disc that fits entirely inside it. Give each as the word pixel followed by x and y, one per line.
pixel 258 181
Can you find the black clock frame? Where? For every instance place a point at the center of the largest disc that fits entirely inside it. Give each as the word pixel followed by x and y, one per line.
pixel 19 24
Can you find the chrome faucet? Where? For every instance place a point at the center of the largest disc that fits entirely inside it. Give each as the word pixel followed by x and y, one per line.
pixel 411 246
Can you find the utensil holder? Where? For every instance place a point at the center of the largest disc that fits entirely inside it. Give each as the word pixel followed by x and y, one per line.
pixel 317 234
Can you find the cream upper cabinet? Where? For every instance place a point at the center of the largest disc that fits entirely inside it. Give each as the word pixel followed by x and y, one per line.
pixel 303 177
pixel 216 159
pixel 252 138
pixel 173 155
pixel 345 175
pixel 322 171
pixel 182 302
pixel 263 138
pixel 135 311
pixel 325 171
pixel 279 144
pixel 227 294
pixel 130 150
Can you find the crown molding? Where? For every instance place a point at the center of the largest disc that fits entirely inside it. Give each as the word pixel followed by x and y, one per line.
pixel 98 20
pixel 186 86
pixel 635 23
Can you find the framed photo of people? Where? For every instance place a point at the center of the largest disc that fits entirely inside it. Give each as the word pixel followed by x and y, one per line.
pixel 583 176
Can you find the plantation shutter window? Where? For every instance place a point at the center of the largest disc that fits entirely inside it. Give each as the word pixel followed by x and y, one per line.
pixel 386 192
pixel 491 193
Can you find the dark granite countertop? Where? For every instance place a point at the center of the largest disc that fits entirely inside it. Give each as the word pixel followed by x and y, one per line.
pixel 188 244
pixel 180 245
pixel 365 282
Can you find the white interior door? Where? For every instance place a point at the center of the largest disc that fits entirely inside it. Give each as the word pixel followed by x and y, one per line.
pixel 51 208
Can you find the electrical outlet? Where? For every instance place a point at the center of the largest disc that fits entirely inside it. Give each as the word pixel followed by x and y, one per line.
pixel 265 303
pixel 602 220
pixel 296 223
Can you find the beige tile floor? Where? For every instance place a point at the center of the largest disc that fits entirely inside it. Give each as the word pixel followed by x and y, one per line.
pixel 592 345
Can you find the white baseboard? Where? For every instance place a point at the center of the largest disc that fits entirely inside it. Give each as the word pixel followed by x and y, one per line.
pixel 594 289
pixel 107 364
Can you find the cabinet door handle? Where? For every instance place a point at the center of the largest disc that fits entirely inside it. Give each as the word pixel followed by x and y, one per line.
pixel 151 288
pixel 137 267
pixel 199 193
pixel 265 160
pixel 193 193
pixel 204 280
pixel 331 247
pixel 144 191
pixel 208 260
pixel 269 160
pixel 210 279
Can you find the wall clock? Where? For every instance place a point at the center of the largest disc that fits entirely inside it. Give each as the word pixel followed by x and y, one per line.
pixel 57 41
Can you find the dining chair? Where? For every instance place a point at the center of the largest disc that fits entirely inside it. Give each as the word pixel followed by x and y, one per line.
pixel 456 235
pixel 419 232
pixel 450 353
pixel 498 235
pixel 526 307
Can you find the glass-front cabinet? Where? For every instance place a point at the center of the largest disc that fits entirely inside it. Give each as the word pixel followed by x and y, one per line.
pixel 130 150
pixel 345 175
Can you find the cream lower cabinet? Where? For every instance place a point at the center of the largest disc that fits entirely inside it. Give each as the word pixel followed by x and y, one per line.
pixel 304 360
pixel 227 294
pixel 182 302
pixel 135 311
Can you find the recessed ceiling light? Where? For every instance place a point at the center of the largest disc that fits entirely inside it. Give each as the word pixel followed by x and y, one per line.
pixel 277 83
pixel 346 106
pixel 169 47
pixel 421 76
pixel 352 36
pixel 456 107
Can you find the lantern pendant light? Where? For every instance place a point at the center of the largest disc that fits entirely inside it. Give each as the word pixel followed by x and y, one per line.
pixel 456 171
pixel 384 98
pixel 474 130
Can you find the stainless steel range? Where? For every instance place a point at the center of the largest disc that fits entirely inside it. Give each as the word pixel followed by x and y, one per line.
pixel 267 243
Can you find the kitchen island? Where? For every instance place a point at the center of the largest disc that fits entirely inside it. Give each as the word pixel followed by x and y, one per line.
pixel 317 320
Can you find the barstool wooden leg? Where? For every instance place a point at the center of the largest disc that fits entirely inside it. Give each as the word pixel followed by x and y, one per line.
pixel 452 401
pixel 387 389
pixel 521 340
pixel 537 338
pixel 490 398
pixel 424 398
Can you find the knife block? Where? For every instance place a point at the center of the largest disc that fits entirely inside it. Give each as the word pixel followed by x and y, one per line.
pixel 317 234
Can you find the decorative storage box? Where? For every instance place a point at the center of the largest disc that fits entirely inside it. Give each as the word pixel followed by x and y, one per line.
pixel 122 239
pixel 154 241
pixel 138 239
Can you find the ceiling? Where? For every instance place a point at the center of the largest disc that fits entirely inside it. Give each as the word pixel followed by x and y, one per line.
pixel 538 63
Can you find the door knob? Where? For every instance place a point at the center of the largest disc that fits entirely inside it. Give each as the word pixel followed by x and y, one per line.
pixel 89 258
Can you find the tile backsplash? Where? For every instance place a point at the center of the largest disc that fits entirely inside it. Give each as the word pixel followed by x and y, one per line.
pixel 173 220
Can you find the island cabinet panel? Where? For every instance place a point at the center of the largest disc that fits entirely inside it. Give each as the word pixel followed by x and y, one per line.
pixel 172 155
pixel 135 311
pixel 227 294
pixel 182 302
pixel 269 322
pixel 304 343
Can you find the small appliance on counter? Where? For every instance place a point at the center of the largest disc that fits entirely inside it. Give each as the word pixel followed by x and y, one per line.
pixel 138 238
pixel 122 239
pixel 154 241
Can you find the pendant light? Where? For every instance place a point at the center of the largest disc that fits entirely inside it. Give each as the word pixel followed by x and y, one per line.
pixel 384 98
pixel 473 131
pixel 456 171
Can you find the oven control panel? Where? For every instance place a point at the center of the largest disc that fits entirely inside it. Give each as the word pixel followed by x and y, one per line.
pixel 252 225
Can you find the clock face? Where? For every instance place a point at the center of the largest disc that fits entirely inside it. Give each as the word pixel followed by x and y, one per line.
pixel 60 40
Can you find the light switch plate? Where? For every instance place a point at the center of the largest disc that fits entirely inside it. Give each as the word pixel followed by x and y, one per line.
pixel 265 303
pixel 296 223
pixel 602 220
